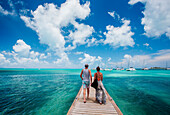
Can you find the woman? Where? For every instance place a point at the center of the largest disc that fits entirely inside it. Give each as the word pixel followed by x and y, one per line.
pixel 100 93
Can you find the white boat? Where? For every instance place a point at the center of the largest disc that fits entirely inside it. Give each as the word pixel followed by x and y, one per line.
pixel 131 69
pixel 107 69
pixel 122 68
pixel 145 68
pixel 118 68
pixel 167 68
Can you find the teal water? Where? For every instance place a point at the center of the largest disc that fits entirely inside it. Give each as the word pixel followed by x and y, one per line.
pixel 52 91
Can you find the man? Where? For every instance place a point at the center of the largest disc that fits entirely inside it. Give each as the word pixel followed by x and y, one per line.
pixel 87 77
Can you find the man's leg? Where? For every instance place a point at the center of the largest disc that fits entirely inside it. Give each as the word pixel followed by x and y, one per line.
pixel 84 94
pixel 88 93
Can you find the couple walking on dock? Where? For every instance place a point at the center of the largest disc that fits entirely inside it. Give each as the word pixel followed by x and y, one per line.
pixel 87 81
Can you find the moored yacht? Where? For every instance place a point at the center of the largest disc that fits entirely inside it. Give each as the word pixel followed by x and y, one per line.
pixel 145 68
pixel 131 69
pixel 168 68
pixel 122 68
pixel 118 68
pixel 107 69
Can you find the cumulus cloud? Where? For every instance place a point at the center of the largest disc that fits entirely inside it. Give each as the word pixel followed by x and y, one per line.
pixel 90 59
pixel 3 60
pixel 43 56
pixel 48 21
pixel 81 34
pixel 34 54
pixel 94 42
pixel 62 61
pixel 23 56
pixel 156 17
pixel 22 48
pixel 119 36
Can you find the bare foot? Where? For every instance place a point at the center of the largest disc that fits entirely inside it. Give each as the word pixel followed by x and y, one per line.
pixel 84 101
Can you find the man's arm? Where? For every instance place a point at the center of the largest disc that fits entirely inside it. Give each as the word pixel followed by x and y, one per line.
pixel 90 76
pixel 81 74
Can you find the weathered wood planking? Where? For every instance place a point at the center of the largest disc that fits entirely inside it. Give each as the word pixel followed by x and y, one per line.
pixel 92 107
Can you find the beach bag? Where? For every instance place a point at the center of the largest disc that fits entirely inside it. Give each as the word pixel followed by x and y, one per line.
pixel 95 83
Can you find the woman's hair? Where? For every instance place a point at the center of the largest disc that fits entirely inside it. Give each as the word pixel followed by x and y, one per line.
pixel 98 68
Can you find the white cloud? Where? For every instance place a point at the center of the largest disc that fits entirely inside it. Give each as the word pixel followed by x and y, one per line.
pixel 114 14
pixel 2 57
pixel 109 59
pixel 156 17
pixel 81 34
pixel 43 56
pixel 126 56
pixel 34 54
pixel 90 59
pixel 135 1
pixel 119 36
pixel 32 59
pixel 162 52
pixel 22 56
pixel 93 42
pixel 48 21
pixel 6 12
pixel 80 58
pixel 3 60
pixel 63 61
pixel 22 48
pixel 78 53
pixel 158 59
pixel 146 44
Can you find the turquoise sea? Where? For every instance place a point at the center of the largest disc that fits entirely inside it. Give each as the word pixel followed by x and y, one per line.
pixel 52 91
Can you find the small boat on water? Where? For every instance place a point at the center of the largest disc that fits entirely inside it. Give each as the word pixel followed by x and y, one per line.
pixel 122 68
pixel 131 69
pixel 118 68
pixel 107 69
pixel 145 68
pixel 167 68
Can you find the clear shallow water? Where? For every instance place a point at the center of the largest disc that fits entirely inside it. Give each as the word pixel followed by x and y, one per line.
pixel 53 91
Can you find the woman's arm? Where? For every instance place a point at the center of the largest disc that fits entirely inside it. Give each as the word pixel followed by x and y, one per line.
pixel 94 76
pixel 102 78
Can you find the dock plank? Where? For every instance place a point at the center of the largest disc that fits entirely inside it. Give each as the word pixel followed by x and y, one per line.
pixel 92 107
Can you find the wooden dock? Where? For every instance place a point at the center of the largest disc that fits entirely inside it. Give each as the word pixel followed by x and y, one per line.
pixel 92 107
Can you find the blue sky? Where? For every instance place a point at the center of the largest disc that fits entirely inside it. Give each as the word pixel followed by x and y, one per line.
pixel 70 33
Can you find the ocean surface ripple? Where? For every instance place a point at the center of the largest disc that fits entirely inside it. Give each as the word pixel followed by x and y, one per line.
pixel 53 91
